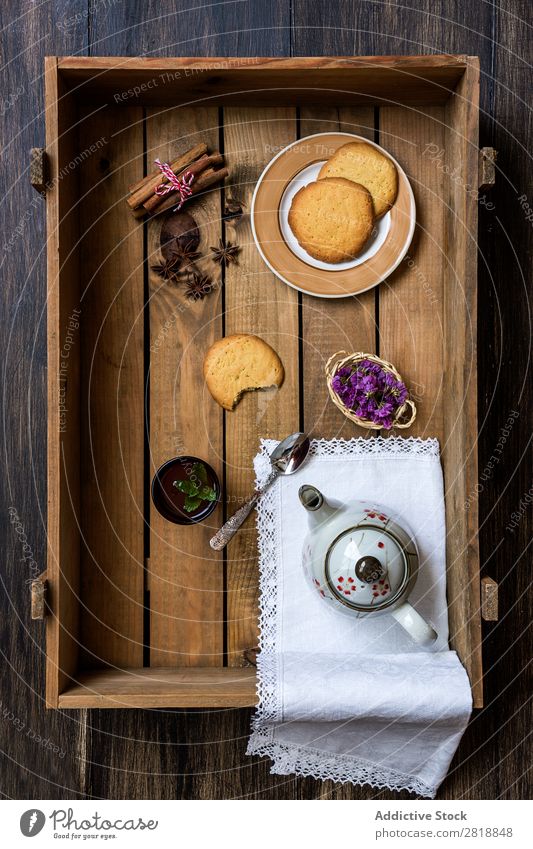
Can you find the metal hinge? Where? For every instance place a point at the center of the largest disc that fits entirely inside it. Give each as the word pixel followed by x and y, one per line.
pixel 38 589
pixel 489 600
pixel 487 168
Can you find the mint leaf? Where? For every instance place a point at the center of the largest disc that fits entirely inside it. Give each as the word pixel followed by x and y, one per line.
pixel 207 493
pixel 199 471
pixel 188 487
pixel 191 503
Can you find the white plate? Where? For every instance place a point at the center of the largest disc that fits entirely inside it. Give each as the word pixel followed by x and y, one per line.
pixel 279 247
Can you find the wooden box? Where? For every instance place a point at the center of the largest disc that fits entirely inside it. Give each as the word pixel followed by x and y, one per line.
pixel 140 612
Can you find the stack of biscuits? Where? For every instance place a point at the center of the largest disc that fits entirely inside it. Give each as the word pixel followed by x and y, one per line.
pixel 333 218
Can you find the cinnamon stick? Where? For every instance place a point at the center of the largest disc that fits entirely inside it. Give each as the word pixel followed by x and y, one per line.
pixel 204 181
pixel 146 187
pixel 188 156
pixel 202 164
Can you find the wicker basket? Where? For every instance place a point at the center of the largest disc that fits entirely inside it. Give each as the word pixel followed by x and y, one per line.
pixel 404 416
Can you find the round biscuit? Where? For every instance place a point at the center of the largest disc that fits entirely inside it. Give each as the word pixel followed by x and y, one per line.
pixel 240 363
pixel 366 165
pixel 332 219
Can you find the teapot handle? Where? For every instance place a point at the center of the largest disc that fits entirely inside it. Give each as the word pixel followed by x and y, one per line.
pixel 414 624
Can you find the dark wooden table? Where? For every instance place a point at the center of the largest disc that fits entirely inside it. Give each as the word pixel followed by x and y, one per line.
pixel 200 754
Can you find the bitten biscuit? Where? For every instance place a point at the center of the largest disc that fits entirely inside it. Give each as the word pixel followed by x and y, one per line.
pixel 332 219
pixel 238 364
pixel 366 165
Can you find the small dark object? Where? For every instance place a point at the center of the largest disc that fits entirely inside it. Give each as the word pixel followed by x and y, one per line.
pixel 369 569
pixel 196 489
pixel 170 500
pixel 198 286
pixel 226 253
pixel 168 268
pixel 233 209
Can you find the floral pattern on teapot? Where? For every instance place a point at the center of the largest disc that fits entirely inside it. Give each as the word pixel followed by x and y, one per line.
pixel 362 561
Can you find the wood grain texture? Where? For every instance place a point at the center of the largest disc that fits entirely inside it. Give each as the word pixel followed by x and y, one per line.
pixel 359 81
pixel 185 577
pixel 112 390
pixel 468 28
pixel 506 243
pixel 255 302
pixel 330 326
pixel 427 318
pixel 28 769
pixel 189 754
pixel 63 297
pixel 460 412
pixel 163 687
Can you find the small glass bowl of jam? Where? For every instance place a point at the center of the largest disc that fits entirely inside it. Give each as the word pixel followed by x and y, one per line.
pixel 185 490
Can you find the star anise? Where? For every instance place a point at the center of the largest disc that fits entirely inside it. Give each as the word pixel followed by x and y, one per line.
pixel 225 253
pixel 168 268
pixel 198 286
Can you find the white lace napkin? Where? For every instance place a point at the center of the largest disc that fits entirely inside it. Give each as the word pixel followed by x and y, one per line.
pixel 356 700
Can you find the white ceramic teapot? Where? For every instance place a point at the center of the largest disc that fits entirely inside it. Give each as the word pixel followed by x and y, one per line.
pixel 362 562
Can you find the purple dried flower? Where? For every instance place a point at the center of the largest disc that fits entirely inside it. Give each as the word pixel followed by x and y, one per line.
pixel 344 372
pixel 370 391
pixel 349 397
pixel 384 410
pixel 402 393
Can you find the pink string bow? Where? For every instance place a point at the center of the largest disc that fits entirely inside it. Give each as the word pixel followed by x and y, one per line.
pixel 175 184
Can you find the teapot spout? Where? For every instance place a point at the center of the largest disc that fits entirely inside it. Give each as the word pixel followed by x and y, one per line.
pixel 316 505
pixel 310 497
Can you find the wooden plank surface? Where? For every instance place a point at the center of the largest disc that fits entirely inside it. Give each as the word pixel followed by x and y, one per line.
pixel 112 390
pixel 154 687
pixel 185 578
pixel 412 80
pixel 29 769
pixel 255 302
pixel 331 326
pixel 460 374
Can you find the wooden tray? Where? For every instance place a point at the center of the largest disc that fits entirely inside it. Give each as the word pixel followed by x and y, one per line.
pixel 141 613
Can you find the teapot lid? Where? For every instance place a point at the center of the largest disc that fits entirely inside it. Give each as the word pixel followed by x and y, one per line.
pixel 367 565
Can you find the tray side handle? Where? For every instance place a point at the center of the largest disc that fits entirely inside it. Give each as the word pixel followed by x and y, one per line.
pixel 489 600
pixel 38 589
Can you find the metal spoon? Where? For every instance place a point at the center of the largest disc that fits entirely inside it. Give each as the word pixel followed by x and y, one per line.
pixel 285 459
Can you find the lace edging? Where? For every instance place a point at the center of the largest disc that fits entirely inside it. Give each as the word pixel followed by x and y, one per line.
pixel 344 769
pixel 397 446
pixel 390 447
